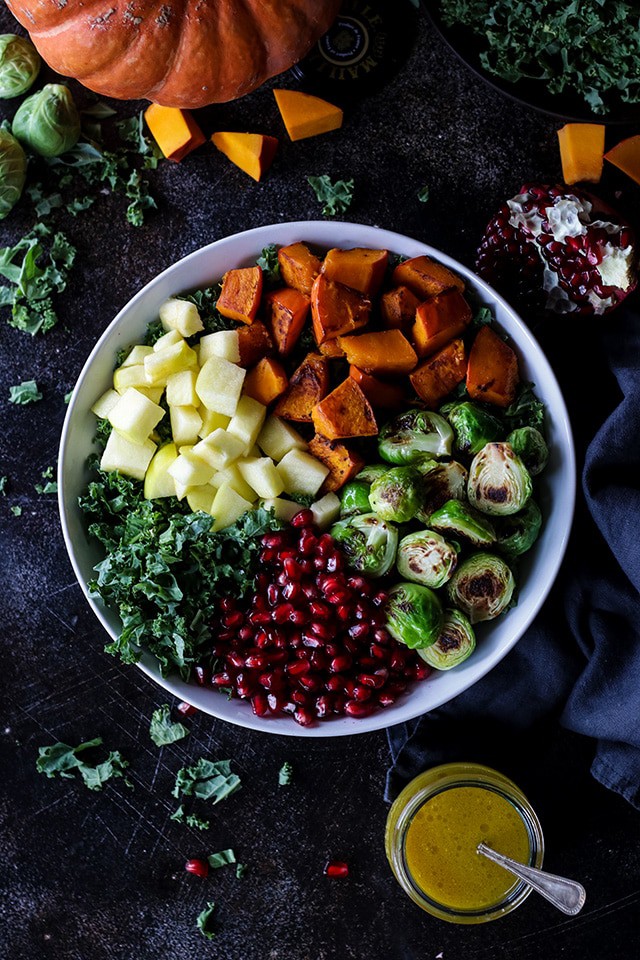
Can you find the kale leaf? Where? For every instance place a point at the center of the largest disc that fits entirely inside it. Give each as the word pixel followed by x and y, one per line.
pixel 162 730
pixel 335 197
pixel 63 760
pixel 25 392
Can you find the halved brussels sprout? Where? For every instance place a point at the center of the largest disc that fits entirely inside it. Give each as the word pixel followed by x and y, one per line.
pixel 354 498
pixel 499 483
pixel 456 642
pixel 481 587
pixel 461 520
pixel 425 557
pixel 13 172
pixel 473 427
pixel 19 65
pixel 413 434
pixel 397 494
pixel 529 444
pixel 414 615
pixel 518 533
pixel 48 121
pixel 371 472
pixel 442 482
pixel 368 543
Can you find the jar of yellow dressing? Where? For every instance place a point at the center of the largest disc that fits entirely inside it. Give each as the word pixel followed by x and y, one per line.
pixel 434 828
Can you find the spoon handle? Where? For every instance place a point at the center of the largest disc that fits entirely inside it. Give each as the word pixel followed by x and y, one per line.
pixel 567 895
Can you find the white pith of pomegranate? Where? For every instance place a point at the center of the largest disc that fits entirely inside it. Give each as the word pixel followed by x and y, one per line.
pixel 563 245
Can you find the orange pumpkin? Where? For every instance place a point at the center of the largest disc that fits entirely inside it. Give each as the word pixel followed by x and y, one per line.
pixel 178 53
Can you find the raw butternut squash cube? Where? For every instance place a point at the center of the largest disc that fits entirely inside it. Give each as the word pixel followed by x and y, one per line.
pixel 232 476
pixel 241 294
pixel 190 470
pixel 345 412
pixel 287 309
pixel 186 424
pixel 326 510
pixel 168 339
pixel 301 473
pixel 360 269
pixel 211 421
pixel 252 152
pixel 227 507
pixel 201 498
pixel 267 381
pixel 581 152
pixel 219 385
pixel 492 372
pixel 278 438
pixel 159 366
pixel 136 355
pixel 247 421
pixel 134 416
pixel 308 385
pixel 181 315
pixel 181 389
pixel 254 343
pixel 284 509
pixel 306 116
pixel 262 476
pixel 398 308
pixel 336 309
pixel 626 157
pixel 342 462
pixel 219 449
pixel 222 343
pixel 426 278
pixel 126 457
pixel 299 267
pixel 174 130
pixel 385 351
pixel 388 396
pixel 436 378
pixel 439 320
pixel 105 404
pixel 126 377
pixel 158 482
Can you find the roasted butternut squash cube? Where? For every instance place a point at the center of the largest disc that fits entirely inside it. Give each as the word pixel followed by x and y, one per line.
pixel 254 343
pixel 308 385
pixel 385 352
pixel 439 320
pixel 360 269
pixel 336 309
pixel 345 412
pixel 267 381
pixel 342 462
pixel 492 373
pixel 398 308
pixel 287 309
pixel 299 267
pixel 331 349
pixel 241 294
pixel 436 378
pixel 426 278
pixel 388 396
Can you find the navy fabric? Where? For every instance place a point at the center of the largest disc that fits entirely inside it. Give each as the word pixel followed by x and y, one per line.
pixel 579 662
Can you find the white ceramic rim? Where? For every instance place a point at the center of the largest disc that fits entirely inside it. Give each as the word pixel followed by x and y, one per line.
pixel 327 234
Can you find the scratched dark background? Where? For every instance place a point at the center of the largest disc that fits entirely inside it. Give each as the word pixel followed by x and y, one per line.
pixel 91 876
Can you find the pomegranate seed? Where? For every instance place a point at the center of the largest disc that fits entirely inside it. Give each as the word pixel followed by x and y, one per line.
pixel 319 610
pixel 340 664
pixel 338 704
pixel 202 676
pixel 245 685
pixel 292 591
pixel 304 518
pixel 310 590
pixel 282 579
pixel 307 543
pixel 260 616
pixel 233 620
pixel 311 640
pixel 377 651
pixel 324 706
pixel 255 662
pixel 304 716
pixel 359 710
pixel 198 867
pixel 334 562
pixel 344 613
pixel 298 667
pixel 268 555
pixel 322 630
pixel 276 703
pixel 262 639
pixel 227 604
pixel 336 869
pixel 330 585
pixel 273 594
pixel 310 683
pixel 222 679
pixel 186 709
pixel 386 699
pixel 361 693
pixel 260 704
pixel 334 684
pixel 306 566
pixel 277 656
pixel 421 671
pixel 298 617
pixel 292 569
pixel 275 540
pixel 282 612
pixel 245 633
pixel 325 545
pixel 318 660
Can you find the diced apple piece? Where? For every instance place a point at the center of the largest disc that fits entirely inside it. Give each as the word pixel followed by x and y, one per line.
pixel 227 507
pixel 181 389
pixel 223 343
pixel 126 457
pixel 134 416
pixel 126 377
pixel 167 340
pixel 232 476
pixel 219 449
pixel 181 490
pixel 277 438
pixel 160 365
pixel 247 421
pixel 191 471
pixel 105 404
pixel 262 476
pixel 326 510
pixel 181 315
pixel 219 385
pixel 201 498
pixel 284 509
pixel 158 482
pixel 186 424
pixel 152 393
pixel 301 473
pixel 136 355
pixel 212 421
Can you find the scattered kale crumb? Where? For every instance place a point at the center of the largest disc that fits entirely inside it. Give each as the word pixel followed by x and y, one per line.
pixel 35 273
pixel 16 511
pixel 423 194
pixel 25 392
pixel 207 780
pixel 336 197
pixel 162 730
pixel 67 396
pixel 221 859
pixel 241 869
pixel 285 774
pixel 191 819
pixel 3 485
pixel 63 760
pixel 205 919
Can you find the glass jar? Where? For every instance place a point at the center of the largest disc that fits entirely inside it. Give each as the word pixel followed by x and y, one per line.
pixel 434 783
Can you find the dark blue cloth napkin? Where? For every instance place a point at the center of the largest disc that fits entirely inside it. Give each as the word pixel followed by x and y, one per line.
pixel 579 662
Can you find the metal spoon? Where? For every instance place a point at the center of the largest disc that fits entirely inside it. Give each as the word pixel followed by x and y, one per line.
pixel 567 895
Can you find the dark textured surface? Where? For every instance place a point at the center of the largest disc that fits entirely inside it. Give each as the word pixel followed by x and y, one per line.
pixel 91 876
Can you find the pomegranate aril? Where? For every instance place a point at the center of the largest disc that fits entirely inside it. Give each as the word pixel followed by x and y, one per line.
pixel 311 683
pixel 336 869
pixel 386 699
pixel 233 620
pixel 300 697
pixel 309 589
pixel 255 661
pixel 228 603
pixel 282 612
pixel 324 706
pixel 374 680
pixel 355 708
pixel 322 630
pixel 245 685
pixel 273 594
pixel 304 716
pixel 200 868
pixel 221 679
pixel 334 684
pixel 201 675
pixel 292 569
pixel 311 640
pixel 307 543
pixel 298 668
pixel 344 613
pixel 304 518
pixel 334 562
pixel 319 610
pixel 186 709
pixel 275 540
pixel 298 617
pixel 268 555
pixel 235 659
pixel 341 663
pixel 260 616
pixel 245 633
pixel 306 566
pixel 276 702
pixel 292 591
pixel 339 704
pixel 362 693
pixel 260 704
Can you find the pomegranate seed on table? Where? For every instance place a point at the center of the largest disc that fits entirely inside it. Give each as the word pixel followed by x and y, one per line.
pixel 186 709
pixel 336 869
pixel 200 868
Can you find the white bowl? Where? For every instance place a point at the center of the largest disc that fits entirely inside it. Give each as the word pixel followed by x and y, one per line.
pixel 200 269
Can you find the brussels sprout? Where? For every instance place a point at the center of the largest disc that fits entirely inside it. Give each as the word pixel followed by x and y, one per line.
pixel 413 434
pixel 473 427
pixel 372 471
pixel 499 482
pixel 425 557
pixel 19 65
pixel 518 533
pixel 481 587
pixel 456 642
pixel 397 494
pixel 529 444
pixel 48 121
pixel 13 172
pixel 455 517
pixel 368 543
pixel 442 482
pixel 414 615
pixel 354 498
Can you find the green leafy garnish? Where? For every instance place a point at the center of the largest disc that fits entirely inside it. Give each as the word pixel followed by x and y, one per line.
pixel 16 511
pixel 50 487
pixel 221 859
pixel 63 760
pixel 162 730
pixel 80 204
pixel 268 262
pixel 335 197
pixel 67 396
pixel 423 194
pixel 3 485
pixel 206 302
pixel 241 869
pixel 34 275
pixel 526 410
pixel 285 774
pixel 207 780
pixel 191 819
pixel 25 392
pixel 204 921
pixel 483 318
pixel 44 203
